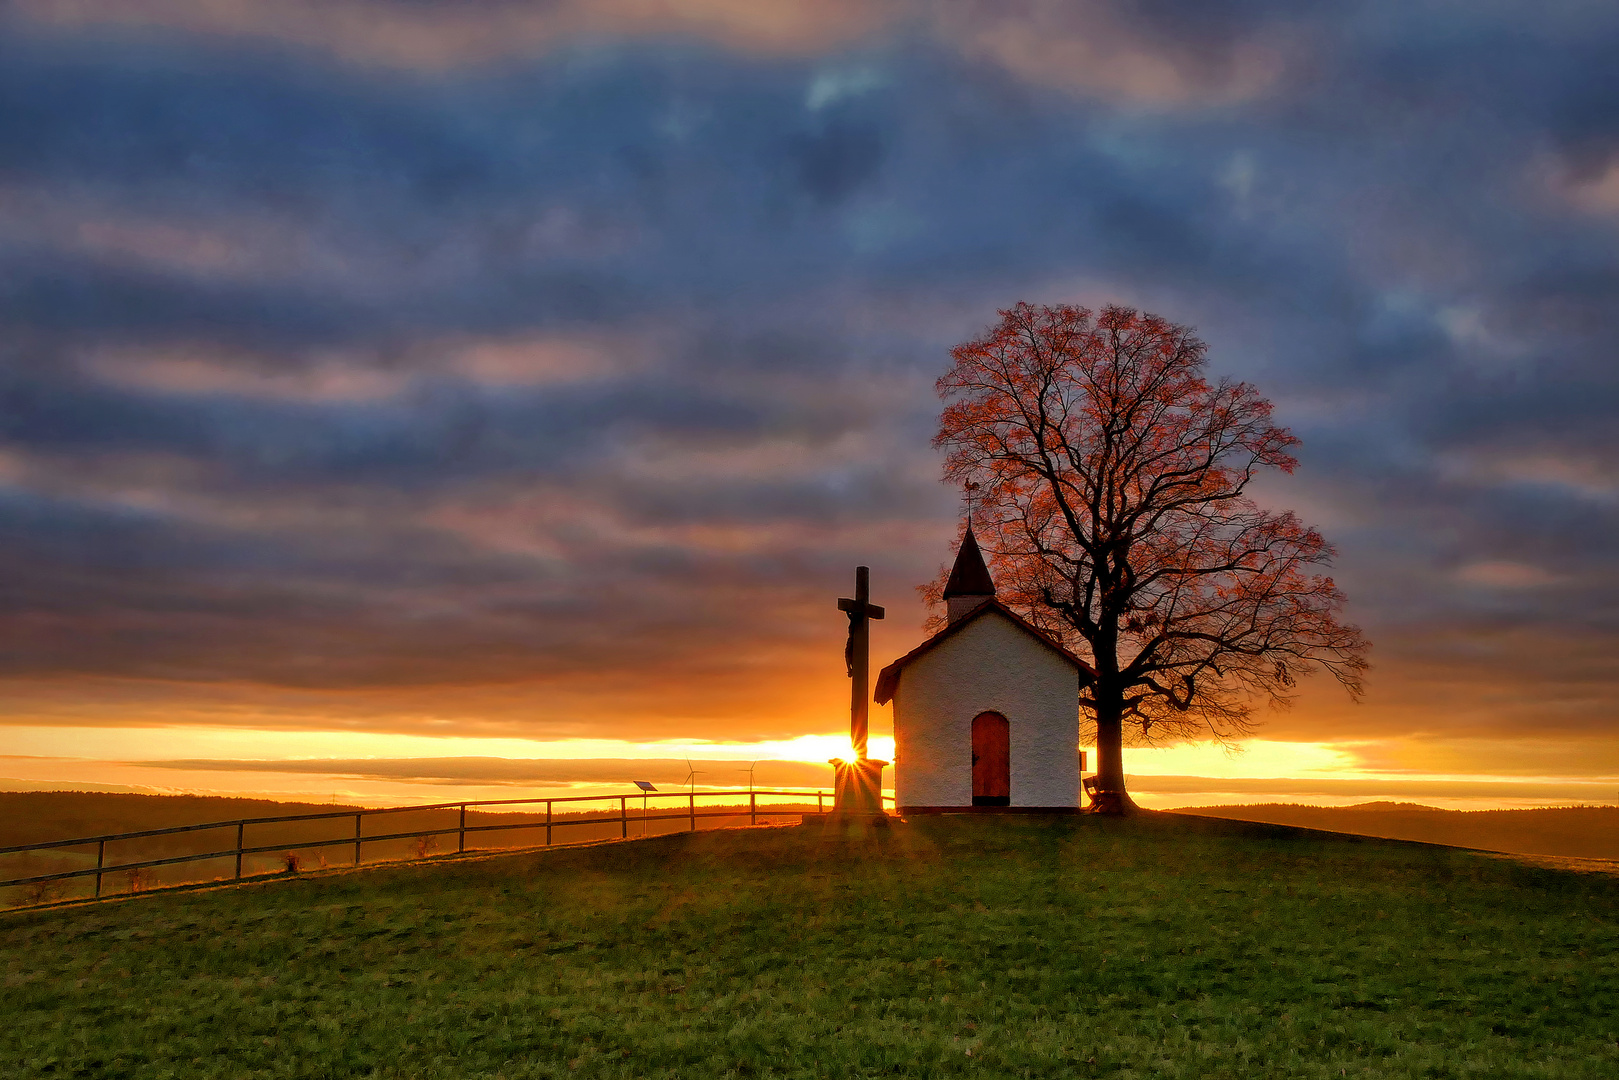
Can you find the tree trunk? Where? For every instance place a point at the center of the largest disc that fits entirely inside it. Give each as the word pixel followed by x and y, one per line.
pixel 1110 796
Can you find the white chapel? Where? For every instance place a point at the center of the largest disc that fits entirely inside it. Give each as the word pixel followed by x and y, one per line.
pixel 986 711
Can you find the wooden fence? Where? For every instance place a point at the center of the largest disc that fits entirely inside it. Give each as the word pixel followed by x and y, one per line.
pixel 690 813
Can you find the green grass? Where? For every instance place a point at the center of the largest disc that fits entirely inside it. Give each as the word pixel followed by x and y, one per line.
pixel 1158 947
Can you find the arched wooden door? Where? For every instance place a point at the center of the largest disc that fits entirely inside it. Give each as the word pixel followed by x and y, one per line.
pixel 992 760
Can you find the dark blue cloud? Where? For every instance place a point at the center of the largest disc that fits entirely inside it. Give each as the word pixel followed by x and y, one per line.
pixel 1395 236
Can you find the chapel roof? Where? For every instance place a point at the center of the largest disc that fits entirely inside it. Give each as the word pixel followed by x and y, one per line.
pixel 888 679
pixel 969 577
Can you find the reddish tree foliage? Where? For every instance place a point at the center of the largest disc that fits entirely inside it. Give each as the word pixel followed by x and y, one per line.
pixel 1111 500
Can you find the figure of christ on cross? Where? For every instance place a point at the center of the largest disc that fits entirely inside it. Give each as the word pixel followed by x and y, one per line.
pixel 859 782
pixel 857 656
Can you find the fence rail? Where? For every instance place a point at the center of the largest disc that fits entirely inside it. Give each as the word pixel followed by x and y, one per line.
pixel 691 814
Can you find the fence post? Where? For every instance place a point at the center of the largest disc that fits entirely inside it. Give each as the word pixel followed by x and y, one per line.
pixel 548 823
pixel 461 843
pixel 356 839
pixel 623 817
pixel 753 809
pixel 101 860
pixel 239 827
pixel 820 802
pixel 693 799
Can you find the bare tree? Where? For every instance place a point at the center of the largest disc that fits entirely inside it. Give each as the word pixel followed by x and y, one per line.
pixel 1112 500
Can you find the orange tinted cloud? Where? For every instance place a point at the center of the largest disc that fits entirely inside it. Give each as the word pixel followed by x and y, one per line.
pixel 216 245
pixel 1091 47
pixel 1097 48
pixel 201 370
pixel 353 376
pixel 437 36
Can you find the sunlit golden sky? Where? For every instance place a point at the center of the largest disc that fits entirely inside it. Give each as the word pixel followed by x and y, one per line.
pixel 401 398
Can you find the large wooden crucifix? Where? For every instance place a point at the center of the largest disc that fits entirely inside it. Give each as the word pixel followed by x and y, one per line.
pixel 857 656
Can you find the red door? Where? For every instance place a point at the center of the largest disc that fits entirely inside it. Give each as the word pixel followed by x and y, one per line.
pixel 992 760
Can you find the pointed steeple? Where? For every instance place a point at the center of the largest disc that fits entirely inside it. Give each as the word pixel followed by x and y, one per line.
pixel 970 584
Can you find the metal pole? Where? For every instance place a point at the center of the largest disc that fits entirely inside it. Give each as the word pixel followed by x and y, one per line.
pixel 461 843
pixel 693 799
pixel 623 817
pixel 101 860
pixel 548 823
pixel 356 839
pixel 239 827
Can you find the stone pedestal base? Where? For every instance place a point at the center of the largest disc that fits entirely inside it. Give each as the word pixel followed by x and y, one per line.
pixel 858 787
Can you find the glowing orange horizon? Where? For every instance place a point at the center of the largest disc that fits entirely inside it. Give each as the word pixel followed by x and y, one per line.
pixel 243 762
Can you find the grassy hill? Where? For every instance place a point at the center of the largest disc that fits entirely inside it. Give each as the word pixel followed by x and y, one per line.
pixel 1586 832
pixel 1165 946
pixel 31 817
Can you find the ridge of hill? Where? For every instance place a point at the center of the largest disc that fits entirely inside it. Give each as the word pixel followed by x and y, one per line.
pixel 38 817
pixel 1586 832
pixel 46 816
pixel 1592 832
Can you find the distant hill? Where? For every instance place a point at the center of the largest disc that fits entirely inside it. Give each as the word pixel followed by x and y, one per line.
pixel 1590 832
pixel 34 817
pixel 1587 832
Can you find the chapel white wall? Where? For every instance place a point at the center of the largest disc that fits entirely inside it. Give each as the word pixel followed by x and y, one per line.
pixel 990 664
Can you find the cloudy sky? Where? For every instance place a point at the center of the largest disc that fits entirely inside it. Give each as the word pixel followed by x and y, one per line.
pixel 399 379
